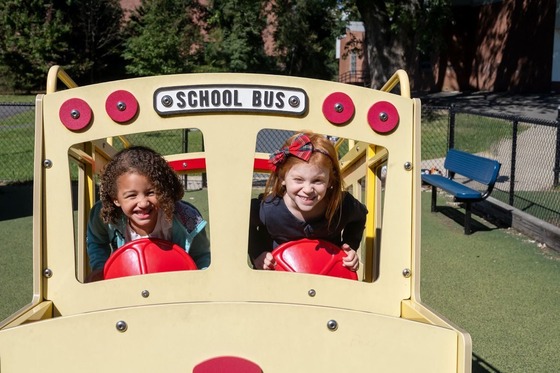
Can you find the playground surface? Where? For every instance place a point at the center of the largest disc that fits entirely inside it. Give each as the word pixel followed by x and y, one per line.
pixel 497 284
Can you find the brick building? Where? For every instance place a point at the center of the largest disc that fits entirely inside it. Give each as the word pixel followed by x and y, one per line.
pixel 500 45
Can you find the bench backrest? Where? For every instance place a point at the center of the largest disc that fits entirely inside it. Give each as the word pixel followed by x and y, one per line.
pixel 481 169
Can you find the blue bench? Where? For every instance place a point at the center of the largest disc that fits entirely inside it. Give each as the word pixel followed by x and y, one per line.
pixel 475 168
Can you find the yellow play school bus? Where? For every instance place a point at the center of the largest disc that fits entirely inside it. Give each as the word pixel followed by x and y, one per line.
pixel 228 317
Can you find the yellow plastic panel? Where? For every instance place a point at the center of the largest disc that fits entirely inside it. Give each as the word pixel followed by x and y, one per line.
pixel 175 338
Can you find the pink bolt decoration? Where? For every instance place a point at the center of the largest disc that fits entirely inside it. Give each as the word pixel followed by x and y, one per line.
pixel 338 108
pixel 75 114
pixel 121 106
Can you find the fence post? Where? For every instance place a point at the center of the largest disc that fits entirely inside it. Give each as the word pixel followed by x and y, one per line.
pixel 514 130
pixel 451 136
pixel 185 146
pixel 557 150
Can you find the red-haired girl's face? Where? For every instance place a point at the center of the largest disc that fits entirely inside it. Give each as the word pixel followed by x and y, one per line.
pixel 138 200
pixel 306 187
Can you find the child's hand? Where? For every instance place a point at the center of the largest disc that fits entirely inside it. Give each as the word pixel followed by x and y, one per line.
pixel 351 260
pixel 265 261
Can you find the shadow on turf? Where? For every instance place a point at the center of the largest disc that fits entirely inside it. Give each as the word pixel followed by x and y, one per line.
pixel 479 365
pixel 458 216
pixel 16 200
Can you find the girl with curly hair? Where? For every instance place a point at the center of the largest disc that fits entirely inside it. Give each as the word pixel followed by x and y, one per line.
pixel 304 198
pixel 141 196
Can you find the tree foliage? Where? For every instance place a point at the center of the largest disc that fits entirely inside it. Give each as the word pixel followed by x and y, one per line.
pixel 293 37
pixel 96 39
pixel 235 37
pixel 34 37
pixel 83 36
pixel 164 37
pixel 305 33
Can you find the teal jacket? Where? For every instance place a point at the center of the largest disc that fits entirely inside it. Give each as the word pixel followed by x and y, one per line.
pixel 188 231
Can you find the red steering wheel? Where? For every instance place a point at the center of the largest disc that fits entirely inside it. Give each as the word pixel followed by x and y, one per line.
pixel 312 256
pixel 147 255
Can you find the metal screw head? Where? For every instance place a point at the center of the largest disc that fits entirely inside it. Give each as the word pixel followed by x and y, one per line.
pixel 145 293
pixel 408 166
pixel 338 107
pixel 383 116
pixel 121 326
pixel 121 106
pixel 406 272
pixel 293 101
pixel 167 101
pixel 47 272
pixel 332 325
pixel 75 114
pixel 311 292
pixel 47 163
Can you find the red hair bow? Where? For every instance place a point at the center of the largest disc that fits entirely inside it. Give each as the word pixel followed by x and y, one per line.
pixel 301 147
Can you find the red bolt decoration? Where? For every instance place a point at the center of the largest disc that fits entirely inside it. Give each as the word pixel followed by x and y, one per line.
pixel 383 117
pixel 121 106
pixel 338 108
pixel 75 114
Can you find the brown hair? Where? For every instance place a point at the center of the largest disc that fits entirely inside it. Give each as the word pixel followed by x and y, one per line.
pixel 146 162
pixel 324 155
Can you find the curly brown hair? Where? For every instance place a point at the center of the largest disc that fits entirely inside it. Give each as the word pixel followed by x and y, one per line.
pixel 146 162
pixel 324 155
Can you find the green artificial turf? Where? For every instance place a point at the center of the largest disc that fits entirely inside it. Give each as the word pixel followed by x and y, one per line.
pixel 16 264
pixel 496 284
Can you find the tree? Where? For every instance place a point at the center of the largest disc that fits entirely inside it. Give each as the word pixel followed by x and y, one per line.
pixel 34 37
pixel 399 35
pixel 165 37
pixel 295 37
pixel 83 36
pixel 235 37
pixel 305 33
pixel 96 39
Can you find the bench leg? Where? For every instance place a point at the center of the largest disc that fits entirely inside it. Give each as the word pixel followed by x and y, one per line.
pixel 434 198
pixel 467 218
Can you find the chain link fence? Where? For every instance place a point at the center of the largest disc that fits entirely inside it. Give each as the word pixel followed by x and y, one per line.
pixel 17 129
pixel 528 149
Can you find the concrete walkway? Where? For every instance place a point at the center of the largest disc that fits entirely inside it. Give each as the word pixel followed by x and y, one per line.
pixel 539 106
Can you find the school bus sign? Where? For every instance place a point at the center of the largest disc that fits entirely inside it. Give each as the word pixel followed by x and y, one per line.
pixel 230 98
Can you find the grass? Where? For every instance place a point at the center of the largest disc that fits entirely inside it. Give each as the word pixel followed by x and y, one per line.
pixel 473 133
pixel 17 98
pixel 16 249
pixel 497 285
